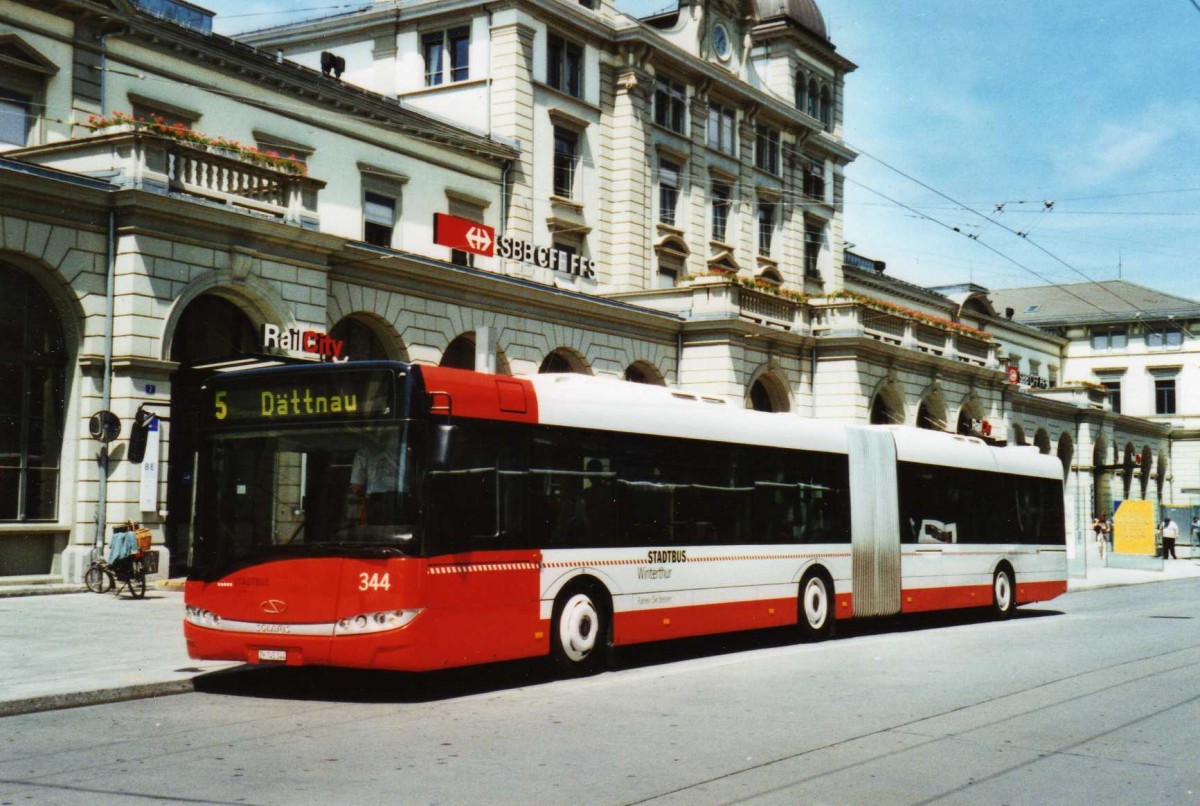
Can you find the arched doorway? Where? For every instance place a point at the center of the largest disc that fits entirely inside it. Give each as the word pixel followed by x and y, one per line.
pixel 767 393
pixel 644 372
pixel 931 415
pixel 361 340
pixel 563 360
pixel 211 328
pixel 887 408
pixel 460 353
pixel 33 392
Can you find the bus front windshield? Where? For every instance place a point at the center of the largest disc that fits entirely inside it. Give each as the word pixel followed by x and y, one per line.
pixel 296 492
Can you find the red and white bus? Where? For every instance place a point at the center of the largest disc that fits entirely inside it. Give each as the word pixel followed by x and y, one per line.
pixel 382 515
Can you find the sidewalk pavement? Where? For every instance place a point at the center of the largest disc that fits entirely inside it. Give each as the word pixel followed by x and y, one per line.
pixel 83 648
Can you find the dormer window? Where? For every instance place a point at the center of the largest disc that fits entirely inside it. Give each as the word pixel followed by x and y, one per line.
pixel 447 56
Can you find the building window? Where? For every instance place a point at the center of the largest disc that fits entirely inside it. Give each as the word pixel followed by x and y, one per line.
pixel 452 46
pixel 766 150
pixel 814 180
pixel 1164 339
pixel 668 192
pixel 566 156
pixel 379 218
pixel 670 101
pixel 1109 340
pixel 813 99
pixel 814 239
pixel 148 109
pixel 722 128
pixel 1113 386
pixel 32 391
pixel 766 225
pixel 24 73
pixel 826 109
pixel 1164 395
pixel 270 144
pixel 16 118
pixel 564 65
pixel 721 203
pixel 668 276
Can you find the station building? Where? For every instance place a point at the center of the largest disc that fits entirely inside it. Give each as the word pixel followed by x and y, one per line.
pixel 662 199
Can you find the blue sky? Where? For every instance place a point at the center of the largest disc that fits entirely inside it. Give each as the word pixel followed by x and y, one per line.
pixel 999 108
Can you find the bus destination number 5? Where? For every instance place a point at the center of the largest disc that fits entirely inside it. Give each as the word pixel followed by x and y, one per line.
pixel 374 582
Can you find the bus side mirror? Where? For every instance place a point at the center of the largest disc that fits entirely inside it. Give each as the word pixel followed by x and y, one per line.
pixel 443 440
pixel 138 434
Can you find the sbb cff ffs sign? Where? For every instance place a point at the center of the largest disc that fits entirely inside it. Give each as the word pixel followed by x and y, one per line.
pixel 459 233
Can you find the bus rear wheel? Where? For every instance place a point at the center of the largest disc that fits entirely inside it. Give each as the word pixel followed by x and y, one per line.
pixel 1004 594
pixel 815 607
pixel 580 631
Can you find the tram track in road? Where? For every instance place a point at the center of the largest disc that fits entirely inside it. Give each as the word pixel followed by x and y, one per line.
pixel 928 738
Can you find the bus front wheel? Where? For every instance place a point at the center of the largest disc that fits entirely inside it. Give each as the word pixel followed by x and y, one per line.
pixel 580 637
pixel 815 607
pixel 1004 593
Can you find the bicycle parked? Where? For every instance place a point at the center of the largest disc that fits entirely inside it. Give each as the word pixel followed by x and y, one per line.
pixel 130 548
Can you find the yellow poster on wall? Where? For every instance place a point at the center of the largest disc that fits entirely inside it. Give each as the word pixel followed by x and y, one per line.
pixel 1133 528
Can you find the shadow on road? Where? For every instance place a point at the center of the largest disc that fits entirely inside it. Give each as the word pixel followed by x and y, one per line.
pixel 325 684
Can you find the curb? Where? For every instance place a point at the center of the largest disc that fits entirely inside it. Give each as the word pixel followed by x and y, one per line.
pixel 79 699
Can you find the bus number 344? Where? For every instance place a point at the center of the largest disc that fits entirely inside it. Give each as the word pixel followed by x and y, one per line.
pixel 374 582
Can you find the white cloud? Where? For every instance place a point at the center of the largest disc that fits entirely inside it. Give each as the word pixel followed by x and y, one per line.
pixel 1118 149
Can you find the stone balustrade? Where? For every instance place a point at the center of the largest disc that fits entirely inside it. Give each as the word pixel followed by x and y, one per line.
pixel 136 158
pixel 835 317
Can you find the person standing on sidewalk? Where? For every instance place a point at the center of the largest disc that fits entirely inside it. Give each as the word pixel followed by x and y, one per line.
pixel 1170 531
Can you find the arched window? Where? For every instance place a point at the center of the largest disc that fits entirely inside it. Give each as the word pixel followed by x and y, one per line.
pixel 826 108
pixel 814 99
pixel 32 393
pixel 801 92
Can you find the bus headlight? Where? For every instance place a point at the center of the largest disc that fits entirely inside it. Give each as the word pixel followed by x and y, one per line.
pixel 378 621
pixel 201 617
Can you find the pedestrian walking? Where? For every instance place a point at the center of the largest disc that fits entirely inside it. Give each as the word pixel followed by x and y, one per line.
pixel 1170 531
pixel 1101 529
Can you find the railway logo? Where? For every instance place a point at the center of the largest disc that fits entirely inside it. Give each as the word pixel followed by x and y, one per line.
pixel 273 606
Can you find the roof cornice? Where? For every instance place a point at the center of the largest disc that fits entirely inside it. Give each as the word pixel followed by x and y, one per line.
pixel 231 55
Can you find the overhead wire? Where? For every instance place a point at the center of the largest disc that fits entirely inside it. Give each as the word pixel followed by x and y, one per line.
pixel 1102 286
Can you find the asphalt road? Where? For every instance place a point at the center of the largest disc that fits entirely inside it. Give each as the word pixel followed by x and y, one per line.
pixel 1090 699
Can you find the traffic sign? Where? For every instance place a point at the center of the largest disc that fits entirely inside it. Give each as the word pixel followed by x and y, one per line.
pixel 461 233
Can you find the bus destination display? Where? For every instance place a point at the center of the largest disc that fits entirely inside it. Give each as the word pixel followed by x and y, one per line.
pixel 331 396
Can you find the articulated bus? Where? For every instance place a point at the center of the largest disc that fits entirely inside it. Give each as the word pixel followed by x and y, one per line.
pixel 394 516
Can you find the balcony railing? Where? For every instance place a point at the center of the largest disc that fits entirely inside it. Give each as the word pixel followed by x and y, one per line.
pixel 148 161
pixel 715 298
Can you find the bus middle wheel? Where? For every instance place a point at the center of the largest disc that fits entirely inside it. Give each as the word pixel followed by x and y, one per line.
pixel 815 607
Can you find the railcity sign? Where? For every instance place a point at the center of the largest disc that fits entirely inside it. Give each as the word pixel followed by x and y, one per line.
pixel 313 342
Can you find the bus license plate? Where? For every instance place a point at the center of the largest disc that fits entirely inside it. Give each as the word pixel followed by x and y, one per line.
pixel 272 654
